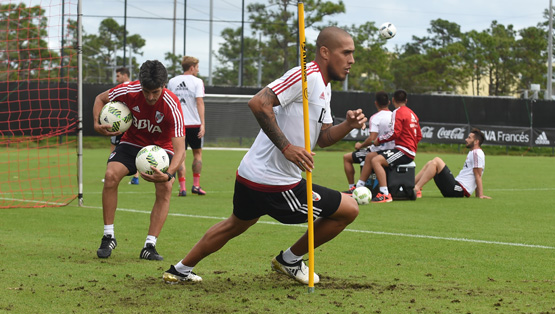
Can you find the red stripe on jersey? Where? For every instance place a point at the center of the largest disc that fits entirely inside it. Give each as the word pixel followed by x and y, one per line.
pixel 294 78
pixel 263 187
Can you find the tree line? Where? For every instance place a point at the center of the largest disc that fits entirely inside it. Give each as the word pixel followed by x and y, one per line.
pixel 501 57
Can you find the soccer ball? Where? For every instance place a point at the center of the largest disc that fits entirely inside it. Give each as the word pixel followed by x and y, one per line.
pixel 117 115
pixel 388 30
pixel 362 195
pixel 152 155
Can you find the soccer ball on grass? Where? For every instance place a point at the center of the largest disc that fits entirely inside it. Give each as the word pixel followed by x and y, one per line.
pixel 362 195
pixel 388 30
pixel 152 155
pixel 117 115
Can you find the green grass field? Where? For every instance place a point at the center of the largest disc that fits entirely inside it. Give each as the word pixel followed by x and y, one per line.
pixel 433 255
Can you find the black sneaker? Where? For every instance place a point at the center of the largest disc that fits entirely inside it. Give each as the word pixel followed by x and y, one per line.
pixel 106 246
pixel 149 252
pixel 172 276
pixel 350 190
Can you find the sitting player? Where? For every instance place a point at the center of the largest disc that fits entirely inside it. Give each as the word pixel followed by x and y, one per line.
pixel 379 125
pixel 468 180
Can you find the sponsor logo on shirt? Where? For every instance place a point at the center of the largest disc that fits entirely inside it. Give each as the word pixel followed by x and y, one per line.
pixel 136 108
pixel 182 86
pixel 145 124
pixel 159 116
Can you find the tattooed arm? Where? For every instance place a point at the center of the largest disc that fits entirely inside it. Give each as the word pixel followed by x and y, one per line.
pixel 332 134
pixel 261 106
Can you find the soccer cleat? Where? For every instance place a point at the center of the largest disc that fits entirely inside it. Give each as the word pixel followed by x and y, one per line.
pixel 350 190
pixel 297 271
pixel 197 190
pixel 419 194
pixel 172 276
pixel 149 253
pixel 182 193
pixel 381 198
pixel 107 244
pixel 134 181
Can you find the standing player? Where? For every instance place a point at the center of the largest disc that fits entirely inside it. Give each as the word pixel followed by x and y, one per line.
pixel 405 130
pixel 157 119
pixel 379 125
pixel 190 91
pixel 269 179
pixel 468 180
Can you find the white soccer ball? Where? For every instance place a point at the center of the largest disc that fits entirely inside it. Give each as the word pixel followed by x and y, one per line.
pixel 152 155
pixel 117 115
pixel 362 195
pixel 388 30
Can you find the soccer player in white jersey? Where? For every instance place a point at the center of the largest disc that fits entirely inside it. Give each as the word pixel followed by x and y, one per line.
pixel 190 91
pixel 379 125
pixel 157 120
pixel 469 178
pixel 269 179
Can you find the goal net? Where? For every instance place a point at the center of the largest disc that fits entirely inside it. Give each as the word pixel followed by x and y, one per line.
pixel 38 103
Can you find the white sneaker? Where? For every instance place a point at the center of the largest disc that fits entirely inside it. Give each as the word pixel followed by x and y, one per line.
pixel 297 271
pixel 172 276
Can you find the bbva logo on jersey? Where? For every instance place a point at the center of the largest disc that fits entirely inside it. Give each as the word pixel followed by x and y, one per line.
pixel 145 124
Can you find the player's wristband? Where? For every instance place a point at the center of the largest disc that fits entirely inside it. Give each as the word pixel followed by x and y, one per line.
pixel 285 148
pixel 170 176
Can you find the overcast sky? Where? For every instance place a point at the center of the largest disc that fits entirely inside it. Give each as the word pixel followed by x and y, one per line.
pixel 411 17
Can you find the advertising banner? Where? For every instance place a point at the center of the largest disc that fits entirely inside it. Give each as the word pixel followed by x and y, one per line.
pixel 506 135
pixel 447 133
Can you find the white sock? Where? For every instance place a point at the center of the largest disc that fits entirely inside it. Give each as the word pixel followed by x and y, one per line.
pixel 384 190
pixel 351 186
pixel 151 239
pixel 360 183
pixel 182 268
pixel 290 258
pixel 109 230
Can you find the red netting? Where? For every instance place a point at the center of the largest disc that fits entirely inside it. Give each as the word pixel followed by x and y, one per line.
pixel 38 103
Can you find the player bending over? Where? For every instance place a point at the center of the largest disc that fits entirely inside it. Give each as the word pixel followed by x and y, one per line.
pixel 269 179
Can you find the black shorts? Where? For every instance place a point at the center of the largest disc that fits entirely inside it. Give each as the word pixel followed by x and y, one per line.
pixel 447 184
pixel 191 138
pixel 288 207
pixel 115 139
pixel 126 155
pixel 395 157
pixel 359 156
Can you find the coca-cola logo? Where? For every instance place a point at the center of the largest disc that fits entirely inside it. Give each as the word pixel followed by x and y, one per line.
pixel 453 134
pixel 427 132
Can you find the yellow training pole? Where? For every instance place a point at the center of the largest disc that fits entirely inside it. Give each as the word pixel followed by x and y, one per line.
pixel 310 216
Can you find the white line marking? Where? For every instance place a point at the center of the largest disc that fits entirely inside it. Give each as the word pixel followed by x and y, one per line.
pixel 31 201
pixel 530 189
pixel 353 230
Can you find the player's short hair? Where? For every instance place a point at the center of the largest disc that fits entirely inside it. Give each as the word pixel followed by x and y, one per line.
pixel 187 62
pixel 123 71
pixel 400 95
pixel 328 37
pixel 153 74
pixel 382 99
pixel 478 135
